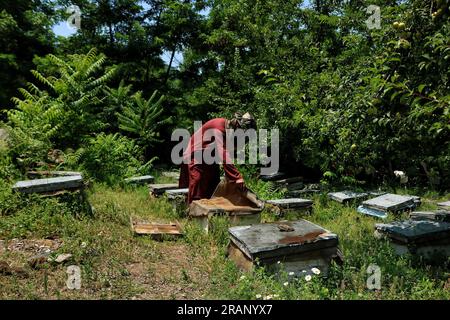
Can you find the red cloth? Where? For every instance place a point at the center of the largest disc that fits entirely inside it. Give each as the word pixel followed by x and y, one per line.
pixel 202 178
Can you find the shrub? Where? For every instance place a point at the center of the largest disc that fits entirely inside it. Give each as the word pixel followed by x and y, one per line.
pixel 108 158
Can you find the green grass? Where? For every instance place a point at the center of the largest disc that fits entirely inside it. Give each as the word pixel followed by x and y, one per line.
pixel 117 264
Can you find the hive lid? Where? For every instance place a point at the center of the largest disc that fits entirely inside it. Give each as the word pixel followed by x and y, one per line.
pixel 391 202
pixel 445 205
pixel 291 203
pixel 345 196
pixel 49 184
pixel 268 241
pixel 438 215
pixel 415 231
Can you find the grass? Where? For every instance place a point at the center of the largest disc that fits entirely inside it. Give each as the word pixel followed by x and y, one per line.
pixel 115 264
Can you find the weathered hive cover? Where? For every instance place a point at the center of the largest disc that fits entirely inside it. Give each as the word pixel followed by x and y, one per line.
pixel 140 180
pixel 445 205
pixel 345 196
pixel 439 215
pixel 49 185
pixel 268 241
pixel 391 202
pixel 415 231
pixel 291 203
pixel 177 192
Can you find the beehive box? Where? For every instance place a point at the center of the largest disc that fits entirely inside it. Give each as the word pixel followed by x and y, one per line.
pixel 444 205
pixel 157 190
pixel 347 196
pixel 50 185
pixel 177 198
pixel 422 237
pixel 141 180
pixel 241 208
pixel 307 245
pixel 438 215
pixel 392 202
pixel 282 206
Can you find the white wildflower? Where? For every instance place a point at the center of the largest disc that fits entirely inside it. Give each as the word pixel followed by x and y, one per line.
pixel 258 296
pixel 269 297
pixel 315 270
pixel 286 284
pixel 308 278
pixel 242 278
pixel 291 273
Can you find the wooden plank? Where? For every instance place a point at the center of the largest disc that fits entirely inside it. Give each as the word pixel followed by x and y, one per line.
pixel 140 180
pixel 347 196
pixel 49 185
pixel 267 240
pixel 391 202
pixel 157 231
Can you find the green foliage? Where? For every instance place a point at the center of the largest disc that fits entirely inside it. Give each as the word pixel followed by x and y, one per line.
pixel 108 158
pixel 142 118
pixel 62 113
pixel 352 102
pixel 25 28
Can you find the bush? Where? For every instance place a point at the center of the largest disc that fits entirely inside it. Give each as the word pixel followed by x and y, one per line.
pixel 108 158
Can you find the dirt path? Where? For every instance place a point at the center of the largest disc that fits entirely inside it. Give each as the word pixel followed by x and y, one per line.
pixel 174 275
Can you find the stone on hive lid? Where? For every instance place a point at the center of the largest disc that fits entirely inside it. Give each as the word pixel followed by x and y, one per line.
pixel 438 215
pixel 415 231
pixel 49 185
pixel 444 205
pixel 267 241
pixel 291 203
pixel 391 202
pixel 140 180
pixel 346 196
